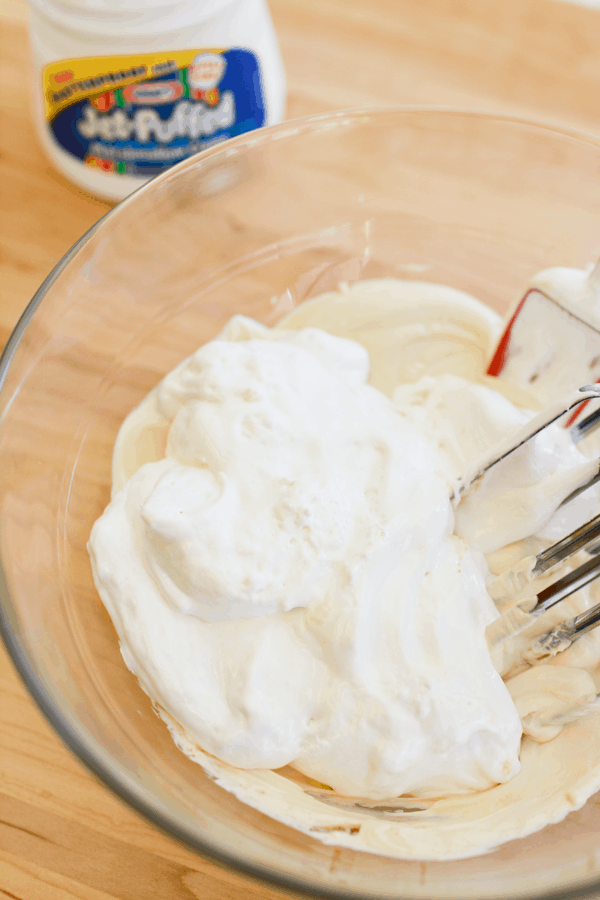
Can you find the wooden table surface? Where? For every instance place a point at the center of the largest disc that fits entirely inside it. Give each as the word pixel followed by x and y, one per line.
pixel 62 835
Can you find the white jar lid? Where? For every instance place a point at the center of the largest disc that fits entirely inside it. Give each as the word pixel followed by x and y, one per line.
pixel 119 17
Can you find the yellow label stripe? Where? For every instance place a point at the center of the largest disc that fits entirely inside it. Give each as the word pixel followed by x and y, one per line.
pixel 70 80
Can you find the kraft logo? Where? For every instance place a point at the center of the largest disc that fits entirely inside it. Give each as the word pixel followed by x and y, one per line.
pixel 155 93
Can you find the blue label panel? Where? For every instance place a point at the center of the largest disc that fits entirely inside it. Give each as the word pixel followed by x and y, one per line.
pixel 146 127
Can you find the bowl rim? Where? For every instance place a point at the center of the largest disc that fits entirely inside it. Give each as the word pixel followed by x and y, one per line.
pixel 81 743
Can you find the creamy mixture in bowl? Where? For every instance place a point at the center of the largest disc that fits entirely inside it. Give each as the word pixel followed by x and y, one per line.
pixel 305 604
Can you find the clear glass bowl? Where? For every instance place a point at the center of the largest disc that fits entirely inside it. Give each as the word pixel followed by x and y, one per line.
pixel 257 226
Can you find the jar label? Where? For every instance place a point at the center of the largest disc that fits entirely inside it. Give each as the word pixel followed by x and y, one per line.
pixel 138 115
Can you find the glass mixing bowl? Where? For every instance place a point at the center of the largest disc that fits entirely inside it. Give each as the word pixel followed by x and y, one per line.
pixel 257 226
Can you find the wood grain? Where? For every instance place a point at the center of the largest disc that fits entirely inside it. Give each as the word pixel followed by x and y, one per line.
pixel 62 834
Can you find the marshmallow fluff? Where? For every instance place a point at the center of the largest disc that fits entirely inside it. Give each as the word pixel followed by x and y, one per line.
pixel 296 590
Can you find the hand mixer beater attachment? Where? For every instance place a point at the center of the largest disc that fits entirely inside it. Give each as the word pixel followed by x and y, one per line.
pixel 524 592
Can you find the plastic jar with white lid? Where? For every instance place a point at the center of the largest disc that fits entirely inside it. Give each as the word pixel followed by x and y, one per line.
pixel 124 90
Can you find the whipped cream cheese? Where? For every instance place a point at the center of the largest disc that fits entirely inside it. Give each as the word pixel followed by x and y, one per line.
pixel 293 586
